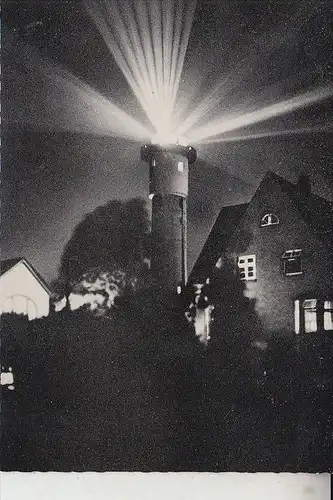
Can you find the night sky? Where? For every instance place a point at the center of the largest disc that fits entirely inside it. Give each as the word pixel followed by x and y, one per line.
pixel 52 176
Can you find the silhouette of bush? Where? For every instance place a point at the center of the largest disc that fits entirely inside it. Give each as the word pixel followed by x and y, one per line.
pixel 94 394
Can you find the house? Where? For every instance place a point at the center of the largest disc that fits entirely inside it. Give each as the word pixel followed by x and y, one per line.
pixel 281 248
pixel 23 290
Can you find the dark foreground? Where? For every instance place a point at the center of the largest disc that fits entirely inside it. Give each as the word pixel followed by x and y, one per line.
pixel 95 394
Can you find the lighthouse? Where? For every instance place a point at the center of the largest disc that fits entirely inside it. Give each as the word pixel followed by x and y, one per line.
pixel 168 190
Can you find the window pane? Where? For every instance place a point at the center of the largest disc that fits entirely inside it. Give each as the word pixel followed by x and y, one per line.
pixel 328 304
pixel 247 271
pixel 310 320
pixel 293 266
pixel 328 320
pixel 292 253
pixel 310 303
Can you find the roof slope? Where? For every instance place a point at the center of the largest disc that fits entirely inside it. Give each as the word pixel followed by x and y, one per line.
pixel 223 228
pixel 6 265
pixel 315 211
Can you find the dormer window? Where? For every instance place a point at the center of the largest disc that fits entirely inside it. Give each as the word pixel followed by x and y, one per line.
pixel 269 220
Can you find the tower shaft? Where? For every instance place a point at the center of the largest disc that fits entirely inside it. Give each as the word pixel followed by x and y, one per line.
pixel 169 252
pixel 168 189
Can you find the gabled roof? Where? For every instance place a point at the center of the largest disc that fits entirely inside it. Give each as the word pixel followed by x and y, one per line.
pixel 222 230
pixel 315 211
pixel 7 265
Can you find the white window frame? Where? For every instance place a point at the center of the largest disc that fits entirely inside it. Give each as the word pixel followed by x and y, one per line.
pixel 269 220
pixel 244 263
pixel 291 255
pixel 312 314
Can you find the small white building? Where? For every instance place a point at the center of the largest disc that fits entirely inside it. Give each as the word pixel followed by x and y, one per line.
pixel 23 290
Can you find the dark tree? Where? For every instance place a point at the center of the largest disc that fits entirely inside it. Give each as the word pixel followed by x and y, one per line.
pixel 113 234
pixel 111 241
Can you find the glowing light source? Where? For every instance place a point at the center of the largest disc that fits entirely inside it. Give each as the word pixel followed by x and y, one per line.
pixel 148 40
pixel 167 138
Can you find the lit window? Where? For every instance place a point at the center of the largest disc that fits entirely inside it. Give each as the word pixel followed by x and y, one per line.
pixel 328 315
pixel 313 315
pixel 180 166
pixel 269 220
pixel 310 315
pixel 247 267
pixel 292 260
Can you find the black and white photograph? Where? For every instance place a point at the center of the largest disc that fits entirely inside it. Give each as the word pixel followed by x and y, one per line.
pixel 166 285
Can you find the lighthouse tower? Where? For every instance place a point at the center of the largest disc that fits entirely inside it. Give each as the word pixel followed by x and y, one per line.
pixel 168 189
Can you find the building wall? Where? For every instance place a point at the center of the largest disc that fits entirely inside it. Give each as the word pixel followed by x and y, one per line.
pixel 274 293
pixel 21 293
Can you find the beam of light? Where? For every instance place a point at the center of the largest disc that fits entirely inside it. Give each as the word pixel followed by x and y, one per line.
pixel 148 40
pixel 271 133
pixel 244 65
pixel 72 105
pixel 237 121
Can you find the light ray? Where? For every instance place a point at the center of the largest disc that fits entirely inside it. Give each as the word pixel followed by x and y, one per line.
pixel 73 105
pixel 270 133
pixel 148 40
pixel 262 49
pixel 121 52
pixel 141 15
pixel 189 15
pixel 228 124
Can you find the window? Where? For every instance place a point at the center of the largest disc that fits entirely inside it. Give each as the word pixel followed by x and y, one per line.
pixel 269 220
pixel 292 262
pixel 247 267
pixel 312 315
pixel 180 166
pixel 328 315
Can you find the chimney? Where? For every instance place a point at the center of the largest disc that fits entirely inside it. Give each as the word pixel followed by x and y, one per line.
pixel 304 185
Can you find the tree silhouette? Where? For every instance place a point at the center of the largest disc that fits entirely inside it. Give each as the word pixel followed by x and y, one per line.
pixel 110 241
